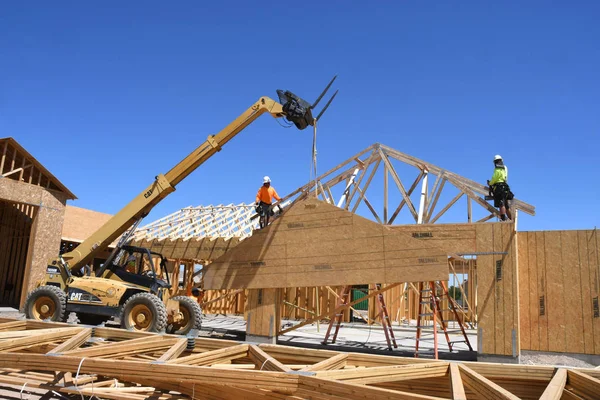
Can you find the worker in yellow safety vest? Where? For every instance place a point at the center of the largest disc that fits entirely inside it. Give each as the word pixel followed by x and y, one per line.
pixel 499 188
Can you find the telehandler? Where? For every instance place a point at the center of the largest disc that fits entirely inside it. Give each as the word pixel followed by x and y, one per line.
pixel 129 285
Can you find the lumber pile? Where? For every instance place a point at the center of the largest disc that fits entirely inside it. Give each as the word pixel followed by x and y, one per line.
pixel 111 363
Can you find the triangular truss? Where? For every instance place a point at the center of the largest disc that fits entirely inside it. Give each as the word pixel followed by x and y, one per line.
pixel 111 363
pixel 432 192
pixel 347 184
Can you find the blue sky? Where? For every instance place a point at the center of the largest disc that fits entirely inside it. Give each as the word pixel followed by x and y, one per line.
pixel 108 95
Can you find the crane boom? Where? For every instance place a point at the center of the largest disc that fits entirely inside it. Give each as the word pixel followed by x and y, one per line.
pixel 163 185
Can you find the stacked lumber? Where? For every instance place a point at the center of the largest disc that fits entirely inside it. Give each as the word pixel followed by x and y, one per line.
pixel 110 363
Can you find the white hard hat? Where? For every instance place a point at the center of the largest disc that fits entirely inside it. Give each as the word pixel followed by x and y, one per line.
pixel 497 157
pixel 266 179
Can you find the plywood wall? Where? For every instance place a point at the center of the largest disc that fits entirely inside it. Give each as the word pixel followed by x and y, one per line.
pixel 317 244
pixel 559 276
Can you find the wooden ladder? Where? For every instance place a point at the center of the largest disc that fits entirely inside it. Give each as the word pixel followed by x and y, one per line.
pixel 428 296
pixel 343 300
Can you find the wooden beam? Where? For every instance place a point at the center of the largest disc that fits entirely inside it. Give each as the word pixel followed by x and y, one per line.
pixel 73 343
pixel 13 326
pixel 456 384
pixel 403 202
pixel 396 178
pixel 129 347
pixel 385 194
pixel 438 191
pixel 583 384
pixel 214 356
pixel 454 200
pixel 364 189
pixel 392 373
pixel 555 388
pixel 316 388
pixel 265 362
pixel 335 362
pixel 483 386
pixel 173 352
pixel 49 336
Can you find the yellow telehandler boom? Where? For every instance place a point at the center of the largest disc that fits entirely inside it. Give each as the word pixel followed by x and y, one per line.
pixel 292 107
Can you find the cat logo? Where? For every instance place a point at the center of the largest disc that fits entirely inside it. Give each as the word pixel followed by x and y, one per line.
pixel 75 296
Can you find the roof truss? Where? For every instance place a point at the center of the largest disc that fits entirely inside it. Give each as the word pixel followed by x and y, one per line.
pixel 117 364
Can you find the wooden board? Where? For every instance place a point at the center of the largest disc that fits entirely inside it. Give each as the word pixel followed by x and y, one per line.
pixel 317 244
pixel 219 369
pixel 561 267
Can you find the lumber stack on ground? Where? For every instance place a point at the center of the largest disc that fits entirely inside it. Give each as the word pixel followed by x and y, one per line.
pixel 114 364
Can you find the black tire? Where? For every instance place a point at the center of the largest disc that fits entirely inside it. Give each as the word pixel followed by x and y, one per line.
pixel 46 303
pixel 91 319
pixel 151 311
pixel 192 316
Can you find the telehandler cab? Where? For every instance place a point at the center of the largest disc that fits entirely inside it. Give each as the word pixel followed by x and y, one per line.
pixel 129 285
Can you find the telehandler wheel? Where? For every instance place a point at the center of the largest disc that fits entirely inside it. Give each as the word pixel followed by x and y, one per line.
pixel 192 316
pixel 46 302
pixel 144 312
pixel 91 319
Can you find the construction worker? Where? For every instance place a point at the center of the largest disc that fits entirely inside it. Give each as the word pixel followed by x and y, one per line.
pixel 500 189
pixel 264 199
pixel 131 264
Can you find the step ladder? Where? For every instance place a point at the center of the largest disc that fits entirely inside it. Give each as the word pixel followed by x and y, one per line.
pixel 342 300
pixel 385 320
pixel 430 294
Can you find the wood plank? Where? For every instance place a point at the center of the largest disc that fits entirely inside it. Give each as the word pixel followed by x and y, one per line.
pixel 555 387
pixel 214 356
pixel 48 336
pixel 134 370
pixel 583 384
pixel 129 347
pixel 572 291
pixel 335 362
pixel 393 373
pixel 586 293
pixel 594 260
pixel 555 302
pixel 511 291
pixel 483 386
pixel 456 383
pixel 486 290
pixel 533 292
pixel 73 343
pixel 543 292
pixel 524 299
pixel 174 351
pixel 500 290
pixel 315 388
pixel 265 362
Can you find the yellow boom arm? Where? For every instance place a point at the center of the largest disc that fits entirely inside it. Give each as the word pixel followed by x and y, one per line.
pixel 141 205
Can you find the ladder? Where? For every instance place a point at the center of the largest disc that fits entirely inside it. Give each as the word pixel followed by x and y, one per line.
pixel 343 300
pixel 385 320
pixel 430 294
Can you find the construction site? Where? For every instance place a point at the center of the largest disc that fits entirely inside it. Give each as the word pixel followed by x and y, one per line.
pixel 386 275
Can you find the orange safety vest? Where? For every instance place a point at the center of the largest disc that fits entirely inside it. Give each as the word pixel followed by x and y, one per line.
pixel 266 195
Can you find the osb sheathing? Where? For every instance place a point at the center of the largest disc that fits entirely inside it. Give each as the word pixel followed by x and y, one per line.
pixel 559 273
pixel 47 225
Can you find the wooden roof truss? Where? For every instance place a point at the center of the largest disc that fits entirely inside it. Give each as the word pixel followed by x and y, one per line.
pixel 421 198
pixel 117 364
pixel 224 221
